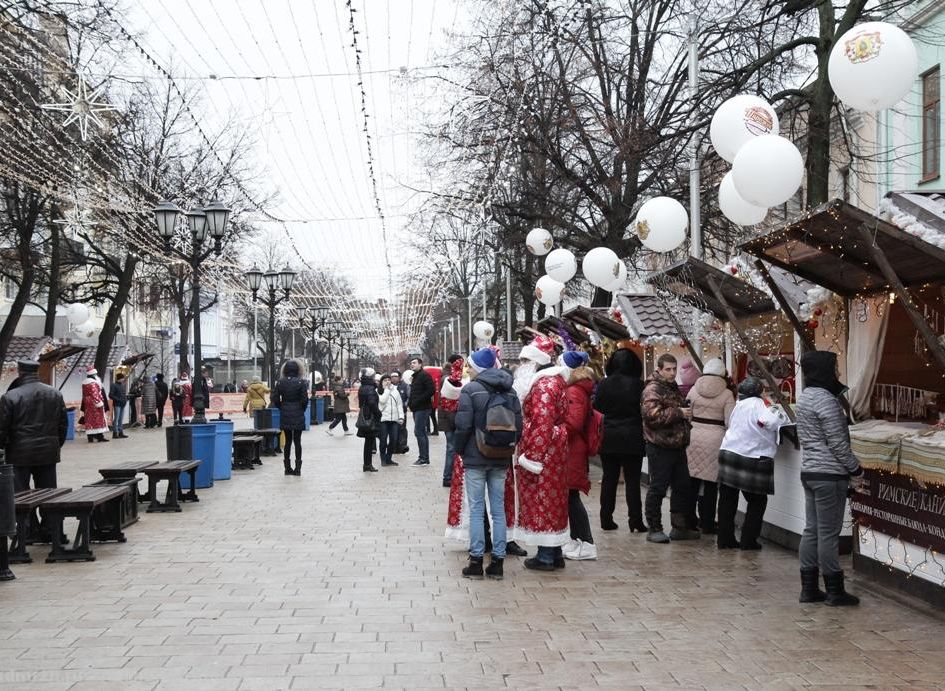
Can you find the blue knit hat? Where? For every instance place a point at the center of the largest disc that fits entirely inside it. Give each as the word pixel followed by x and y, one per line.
pixel 482 359
pixel 575 358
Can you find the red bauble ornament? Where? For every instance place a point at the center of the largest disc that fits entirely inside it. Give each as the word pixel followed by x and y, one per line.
pixel 818 312
pixel 733 270
pixel 813 323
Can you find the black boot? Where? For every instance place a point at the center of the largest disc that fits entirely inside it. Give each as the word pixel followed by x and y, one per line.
pixel 512 549
pixel 810 586
pixel 494 570
pixel 287 466
pixel 681 529
pixel 369 469
pixel 836 595
pixel 474 570
pixel 298 467
pixel 637 525
pixel 607 523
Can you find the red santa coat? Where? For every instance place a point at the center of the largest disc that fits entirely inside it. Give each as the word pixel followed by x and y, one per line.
pixel 187 394
pixel 543 498
pixel 437 374
pixel 93 406
pixel 575 421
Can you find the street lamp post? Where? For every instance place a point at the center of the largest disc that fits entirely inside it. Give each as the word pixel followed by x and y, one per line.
pixel 346 340
pixel 210 219
pixel 332 330
pixel 275 281
pixel 317 317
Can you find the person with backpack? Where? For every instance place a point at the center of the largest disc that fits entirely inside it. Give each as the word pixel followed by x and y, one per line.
pixel 618 399
pixel 487 425
pixel 582 423
pixel 541 478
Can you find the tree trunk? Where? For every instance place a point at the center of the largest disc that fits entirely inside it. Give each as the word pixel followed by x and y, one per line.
pixel 55 259
pixel 818 124
pixel 528 295
pixel 183 322
pixel 110 327
pixel 23 214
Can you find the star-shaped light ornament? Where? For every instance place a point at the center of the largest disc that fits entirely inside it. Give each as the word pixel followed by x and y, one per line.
pixel 285 315
pixel 82 107
pixel 76 220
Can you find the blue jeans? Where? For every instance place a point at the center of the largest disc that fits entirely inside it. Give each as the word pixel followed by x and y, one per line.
pixel 118 413
pixel 477 481
pixel 421 419
pixel 448 464
pixel 390 433
pixel 547 555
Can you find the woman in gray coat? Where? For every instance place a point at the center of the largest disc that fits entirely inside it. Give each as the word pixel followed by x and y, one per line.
pixel 149 402
pixel 290 396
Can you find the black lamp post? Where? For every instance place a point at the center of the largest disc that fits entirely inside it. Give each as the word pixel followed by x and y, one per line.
pixel 346 340
pixel 313 319
pixel 212 220
pixel 330 331
pixel 275 281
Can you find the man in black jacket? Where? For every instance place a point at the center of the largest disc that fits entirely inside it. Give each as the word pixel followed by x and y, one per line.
pixel 421 403
pixel 160 388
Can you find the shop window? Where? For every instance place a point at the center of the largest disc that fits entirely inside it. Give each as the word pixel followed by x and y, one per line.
pixel 9 288
pixel 931 127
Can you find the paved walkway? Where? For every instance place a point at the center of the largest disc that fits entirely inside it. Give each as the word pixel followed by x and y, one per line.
pixel 340 579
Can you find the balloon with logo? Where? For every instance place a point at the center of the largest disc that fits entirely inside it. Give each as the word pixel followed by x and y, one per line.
pixel 872 66
pixel 739 120
pixel 601 266
pixel 620 280
pixel 539 241
pixel 77 313
pixel 768 171
pixel 561 265
pixel 86 329
pixel 661 224
pixel 548 290
pixel 483 330
pixel 736 209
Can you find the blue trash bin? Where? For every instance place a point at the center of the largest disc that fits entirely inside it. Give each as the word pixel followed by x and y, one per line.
pixel 307 415
pixel 320 410
pixel 70 424
pixel 268 418
pixel 223 449
pixel 193 442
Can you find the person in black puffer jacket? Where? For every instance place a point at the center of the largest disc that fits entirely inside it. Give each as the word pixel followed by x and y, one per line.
pixel 618 398
pixel 290 396
pixel 368 400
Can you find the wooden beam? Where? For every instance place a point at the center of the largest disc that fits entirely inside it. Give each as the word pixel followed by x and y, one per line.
pixel 682 334
pixel 752 352
pixel 896 284
pixel 785 305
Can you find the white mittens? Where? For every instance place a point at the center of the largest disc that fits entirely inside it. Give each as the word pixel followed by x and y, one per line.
pixel 531 466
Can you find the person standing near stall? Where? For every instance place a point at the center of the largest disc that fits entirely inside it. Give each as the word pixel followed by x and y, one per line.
pixel 161 393
pixel 148 402
pixel 290 396
pixel 422 390
pixel 392 414
pixel 119 399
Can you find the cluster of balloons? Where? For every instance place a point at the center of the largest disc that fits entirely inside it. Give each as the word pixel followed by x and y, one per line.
pixel 79 319
pixel 601 267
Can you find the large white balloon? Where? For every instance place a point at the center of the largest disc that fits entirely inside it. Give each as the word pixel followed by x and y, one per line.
pixel 86 330
pixel 618 283
pixel 661 224
pixel 767 171
pixel 548 290
pixel 77 313
pixel 739 120
pixel 561 265
pixel 736 209
pixel 872 66
pixel 601 266
pixel 483 330
pixel 539 241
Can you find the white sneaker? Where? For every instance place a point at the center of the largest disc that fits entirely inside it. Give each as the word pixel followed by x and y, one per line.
pixel 585 552
pixel 329 433
pixel 570 547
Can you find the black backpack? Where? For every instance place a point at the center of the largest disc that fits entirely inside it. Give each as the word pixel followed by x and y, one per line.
pixel 498 436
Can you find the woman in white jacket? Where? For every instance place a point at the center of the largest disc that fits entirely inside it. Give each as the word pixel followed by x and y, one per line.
pixel 392 417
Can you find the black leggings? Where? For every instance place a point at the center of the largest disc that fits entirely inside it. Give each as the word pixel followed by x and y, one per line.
pixel 754 516
pixel 612 464
pixel 342 418
pixel 577 517
pixel 369 442
pixel 292 435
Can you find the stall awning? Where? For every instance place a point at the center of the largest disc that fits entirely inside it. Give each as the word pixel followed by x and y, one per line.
pixel 645 316
pixel 690 281
pixel 827 247
pixel 132 360
pixel 552 326
pixel 61 353
pixel 597 320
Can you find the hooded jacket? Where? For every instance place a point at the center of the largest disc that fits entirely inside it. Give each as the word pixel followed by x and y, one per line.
pixel 368 398
pixel 712 403
pixel 290 396
pixel 255 397
pixel 618 399
pixel 391 405
pixel 473 402
pixel 822 423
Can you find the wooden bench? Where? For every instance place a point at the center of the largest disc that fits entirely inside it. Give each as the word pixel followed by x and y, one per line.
pixel 272 445
pixel 80 504
pixel 129 505
pixel 126 471
pixel 246 452
pixel 170 472
pixel 26 503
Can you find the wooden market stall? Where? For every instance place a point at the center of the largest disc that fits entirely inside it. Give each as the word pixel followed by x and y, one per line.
pixel 891 287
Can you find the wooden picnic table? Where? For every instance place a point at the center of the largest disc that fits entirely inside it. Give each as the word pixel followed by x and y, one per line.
pixel 272 445
pixel 246 450
pixel 171 472
pixel 125 471
pixel 80 504
pixel 27 532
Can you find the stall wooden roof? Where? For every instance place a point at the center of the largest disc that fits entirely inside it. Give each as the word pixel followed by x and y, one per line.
pixel 689 280
pixel 596 319
pixel 646 316
pixel 552 325
pixel 825 247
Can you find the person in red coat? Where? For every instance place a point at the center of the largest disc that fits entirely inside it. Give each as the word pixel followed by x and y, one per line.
pixel 94 406
pixel 437 374
pixel 578 421
pixel 541 479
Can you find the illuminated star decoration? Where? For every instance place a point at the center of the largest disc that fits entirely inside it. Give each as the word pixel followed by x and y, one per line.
pixel 284 315
pixel 82 107
pixel 77 220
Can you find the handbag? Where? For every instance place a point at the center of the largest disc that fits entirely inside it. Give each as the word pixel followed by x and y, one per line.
pixel 366 423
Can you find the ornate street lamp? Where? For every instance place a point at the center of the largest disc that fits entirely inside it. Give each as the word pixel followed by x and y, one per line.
pixel 275 281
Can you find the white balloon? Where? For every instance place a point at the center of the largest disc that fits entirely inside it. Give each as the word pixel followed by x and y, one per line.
pixel 617 285
pixel 561 265
pixel 872 66
pixel 768 171
pixel 736 209
pixel 661 224
pixel 739 120
pixel 601 266
pixel 548 290
pixel 483 330
pixel 539 241
pixel 86 329
pixel 77 313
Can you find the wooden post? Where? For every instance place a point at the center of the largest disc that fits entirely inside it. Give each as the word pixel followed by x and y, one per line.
pixel 752 353
pixel 893 279
pixel 785 306
pixel 697 361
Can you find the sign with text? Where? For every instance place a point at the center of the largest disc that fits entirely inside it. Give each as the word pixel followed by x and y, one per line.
pixel 902 507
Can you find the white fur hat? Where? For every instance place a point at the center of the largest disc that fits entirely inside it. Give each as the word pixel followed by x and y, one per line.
pixel 714 367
